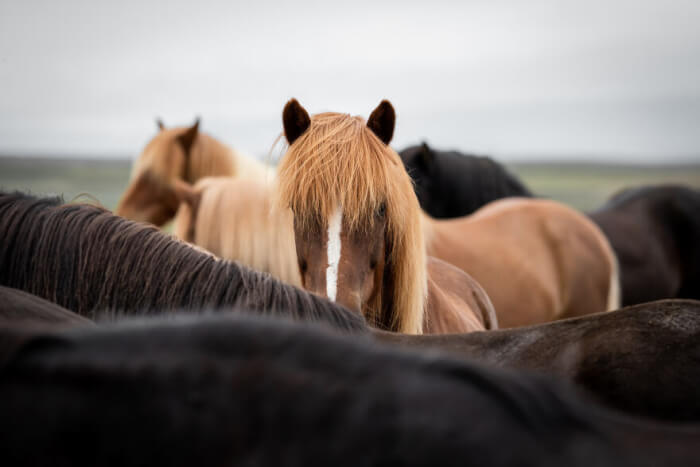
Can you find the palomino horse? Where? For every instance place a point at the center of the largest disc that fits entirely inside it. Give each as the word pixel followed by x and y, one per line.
pixel 225 391
pixel 537 260
pixel 234 218
pixel 179 154
pixel 357 225
pixel 451 184
pixel 655 231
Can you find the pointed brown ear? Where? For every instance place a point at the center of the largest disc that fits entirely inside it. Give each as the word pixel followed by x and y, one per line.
pixel 295 119
pixel 186 193
pixel 160 124
pixel 187 138
pixel 382 121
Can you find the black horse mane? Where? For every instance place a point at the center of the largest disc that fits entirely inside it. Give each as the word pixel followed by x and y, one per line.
pixel 90 261
pixel 480 179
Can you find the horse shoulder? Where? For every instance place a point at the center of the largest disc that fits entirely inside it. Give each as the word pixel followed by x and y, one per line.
pixel 585 261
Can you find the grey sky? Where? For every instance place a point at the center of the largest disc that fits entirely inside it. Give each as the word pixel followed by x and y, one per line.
pixel 514 78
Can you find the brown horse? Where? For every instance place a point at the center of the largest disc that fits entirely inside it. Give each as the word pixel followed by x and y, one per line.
pixel 538 260
pixel 234 218
pixel 179 154
pixel 357 226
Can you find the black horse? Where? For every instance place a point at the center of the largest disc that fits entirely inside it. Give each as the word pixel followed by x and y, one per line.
pixel 621 358
pixel 20 308
pixel 452 184
pixel 643 359
pixel 225 391
pixel 655 232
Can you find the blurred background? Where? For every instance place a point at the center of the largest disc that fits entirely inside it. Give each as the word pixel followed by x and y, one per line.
pixel 579 98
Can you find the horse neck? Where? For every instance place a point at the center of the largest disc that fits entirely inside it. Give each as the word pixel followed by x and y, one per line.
pixel 209 158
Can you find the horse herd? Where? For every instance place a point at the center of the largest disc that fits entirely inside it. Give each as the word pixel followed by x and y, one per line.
pixel 352 306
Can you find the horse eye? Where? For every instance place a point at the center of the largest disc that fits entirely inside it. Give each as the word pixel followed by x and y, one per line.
pixel 303 266
pixel 381 212
pixel 372 263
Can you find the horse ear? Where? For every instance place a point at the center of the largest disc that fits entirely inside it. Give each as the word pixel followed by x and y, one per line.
pixel 295 120
pixel 187 138
pixel 186 193
pixel 426 155
pixel 382 121
pixel 161 125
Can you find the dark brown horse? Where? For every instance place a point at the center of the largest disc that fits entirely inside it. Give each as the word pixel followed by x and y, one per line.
pixel 224 392
pixel 88 260
pixel 655 232
pixel 643 359
pixel 20 308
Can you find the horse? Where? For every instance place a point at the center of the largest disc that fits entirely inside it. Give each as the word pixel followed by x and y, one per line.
pixel 234 218
pixel 619 358
pixel 233 391
pixel 181 153
pixel 90 261
pixel 452 184
pixel 537 260
pixel 655 232
pixel 21 308
pixel 556 261
pixel 357 223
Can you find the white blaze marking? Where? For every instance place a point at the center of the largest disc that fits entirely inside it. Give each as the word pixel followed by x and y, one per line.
pixel 334 225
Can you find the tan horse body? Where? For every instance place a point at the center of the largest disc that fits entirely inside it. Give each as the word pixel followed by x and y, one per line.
pixel 538 260
pixel 234 218
pixel 183 154
pixel 357 226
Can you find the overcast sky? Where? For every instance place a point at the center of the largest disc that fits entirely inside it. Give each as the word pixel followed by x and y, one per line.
pixel 519 79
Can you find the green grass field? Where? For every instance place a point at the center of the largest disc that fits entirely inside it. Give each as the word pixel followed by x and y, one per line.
pixel 583 186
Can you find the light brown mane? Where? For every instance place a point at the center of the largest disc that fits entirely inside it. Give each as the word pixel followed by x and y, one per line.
pixel 339 161
pixel 165 157
pixel 235 220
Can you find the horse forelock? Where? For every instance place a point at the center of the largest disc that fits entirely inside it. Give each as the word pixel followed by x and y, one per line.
pixel 338 162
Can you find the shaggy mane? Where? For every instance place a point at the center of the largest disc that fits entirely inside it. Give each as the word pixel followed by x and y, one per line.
pixel 339 161
pixel 88 260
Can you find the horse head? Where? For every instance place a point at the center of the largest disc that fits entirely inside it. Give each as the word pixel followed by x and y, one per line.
pixel 356 218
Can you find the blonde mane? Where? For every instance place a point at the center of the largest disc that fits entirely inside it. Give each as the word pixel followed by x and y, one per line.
pixel 339 161
pixel 235 219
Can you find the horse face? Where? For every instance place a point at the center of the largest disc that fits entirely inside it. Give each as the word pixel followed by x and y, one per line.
pixel 151 197
pixel 148 199
pixel 343 265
